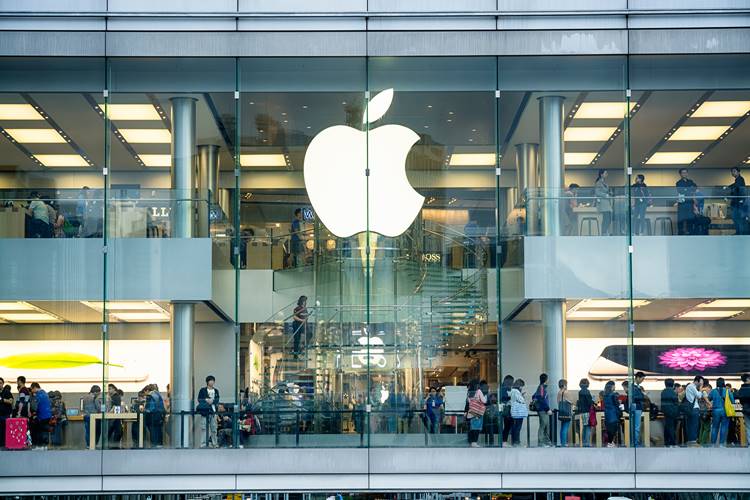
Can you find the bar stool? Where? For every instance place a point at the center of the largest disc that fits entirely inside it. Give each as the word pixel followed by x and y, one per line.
pixel 662 223
pixel 646 226
pixel 590 223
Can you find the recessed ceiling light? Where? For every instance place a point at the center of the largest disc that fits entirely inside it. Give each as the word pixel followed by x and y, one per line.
pixel 262 160
pixel 30 317
pixel 721 109
pixel 595 314
pixel 579 158
pixel 610 303
pixel 728 303
pixel 35 135
pixel 698 133
pixel 19 112
pixel 673 158
pixel 131 111
pixel 156 160
pixel 16 306
pixel 146 135
pixel 471 159
pixel 62 160
pixel 602 110
pixel 588 133
pixel 140 316
pixel 704 314
pixel 135 305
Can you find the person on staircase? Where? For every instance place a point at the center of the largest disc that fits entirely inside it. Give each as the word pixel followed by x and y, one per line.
pixel 299 323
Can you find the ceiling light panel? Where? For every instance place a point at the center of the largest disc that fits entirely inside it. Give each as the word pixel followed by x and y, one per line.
pixel 62 160
pixel 579 158
pixel 698 133
pixel 124 306
pixel 595 314
pixel 140 316
pixel 16 306
pixel 583 134
pixel 673 158
pixel 35 135
pixel 472 159
pixel 725 303
pixel 708 314
pixel 721 109
pixel 122 112
pixel 29 317
pixel 262 160
pixel 19 112
pixel 146 135
pixel 610 303
pixel 156 160
pixel 602 110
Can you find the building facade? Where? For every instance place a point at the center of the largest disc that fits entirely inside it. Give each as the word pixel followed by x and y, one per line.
pixel 266 232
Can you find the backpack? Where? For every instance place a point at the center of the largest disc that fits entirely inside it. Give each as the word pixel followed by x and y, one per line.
pixel 564 409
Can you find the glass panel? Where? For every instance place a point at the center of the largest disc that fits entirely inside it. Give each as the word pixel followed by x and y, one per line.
pixel 51 213
pixel 431 235
pixel 688 145
pixel 564 276
pixel 171 238
pixel 303 251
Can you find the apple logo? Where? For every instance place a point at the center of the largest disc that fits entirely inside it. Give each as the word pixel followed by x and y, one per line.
pixel 374 355
pixel 343 196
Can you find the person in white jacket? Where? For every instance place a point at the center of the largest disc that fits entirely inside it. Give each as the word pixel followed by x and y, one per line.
pixel 519 410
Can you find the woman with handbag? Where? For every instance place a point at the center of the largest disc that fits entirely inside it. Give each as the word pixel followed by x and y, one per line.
pixel 519 410
pixel 585 408
pixel 564 411
pixel 722 407
pixel 476 403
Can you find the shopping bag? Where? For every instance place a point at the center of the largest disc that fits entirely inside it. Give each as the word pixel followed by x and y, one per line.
pixel 728 406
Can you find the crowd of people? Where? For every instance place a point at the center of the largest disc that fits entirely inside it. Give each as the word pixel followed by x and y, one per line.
pixel 78 218
pixel 694 414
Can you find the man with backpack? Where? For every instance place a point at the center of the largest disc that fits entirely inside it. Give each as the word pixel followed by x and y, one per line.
pixel 540 403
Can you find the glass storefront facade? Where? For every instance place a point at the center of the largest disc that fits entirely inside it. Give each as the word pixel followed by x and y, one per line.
pixel 333 239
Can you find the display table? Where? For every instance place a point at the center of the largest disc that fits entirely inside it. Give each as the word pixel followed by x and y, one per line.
pixel 125 417
pixel 652 214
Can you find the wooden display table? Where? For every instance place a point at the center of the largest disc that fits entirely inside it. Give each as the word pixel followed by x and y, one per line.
pixel 127 417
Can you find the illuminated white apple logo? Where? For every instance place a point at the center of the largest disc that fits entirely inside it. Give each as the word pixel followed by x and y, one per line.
pixel 375 356
pixel 343 196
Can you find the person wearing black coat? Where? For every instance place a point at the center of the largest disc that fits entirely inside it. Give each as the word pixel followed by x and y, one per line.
pixel 743 394
pixel 671 408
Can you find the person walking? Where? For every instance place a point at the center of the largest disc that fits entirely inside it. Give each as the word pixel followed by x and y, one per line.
pixel 720 397
pixel 519 410
pixel 476 403
pixel 564 411
pixel 584 407
pixel 671 409
pixel 743 395
pixel 612 413
pixel 208 401
pixel 603 200
pixel 540 402
pixel 299 323
pixel 505 389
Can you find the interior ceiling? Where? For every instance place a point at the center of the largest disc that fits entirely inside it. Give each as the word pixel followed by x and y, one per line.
pixel 447 122
pixel 657 310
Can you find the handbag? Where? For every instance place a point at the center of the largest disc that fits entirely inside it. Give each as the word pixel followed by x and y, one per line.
pixel 564 409
pixel 592 416
pixel 475 424
pixel 476 407
pixel 728 406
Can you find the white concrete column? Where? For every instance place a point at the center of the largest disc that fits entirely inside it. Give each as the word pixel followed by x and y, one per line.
pixel 527 180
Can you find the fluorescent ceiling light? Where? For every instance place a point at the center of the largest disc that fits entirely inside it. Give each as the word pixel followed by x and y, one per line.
pixel 588 133
pixel 30 317
pixel 62 160
pixel 673 158
pixel 721 109
pixel 16 306
pixel 141 316
pixel 610 304
pixel 35 135
pixel 146 135
pixel 156 160
pixel 728 303
pixel 131 111
pixel 596 314
pixel 708 314
pixel 262 160
pixel 698 133
pixel 472 159
pixel 124 306
pixel 579 158
pixel 19 112
pixel 593 110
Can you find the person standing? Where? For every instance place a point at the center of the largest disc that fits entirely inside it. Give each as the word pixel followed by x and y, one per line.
pixel 641 201
pixel 583 407
pixel 685 203
pixel 91 405
pixel 603 200
pixel 693 395
pixel 299 323
pixel 540 400
pixel 476 403
pixel 519 411
pixel 432 410
pixel 737 201
pixel 564 411
pixel 114 428
pixel 6 410
pixel 39 213
pixel 719 418
pixel 295 237
pixel 636 407
pixel 40 422
pixel 612 413
pixel 743 394
pixel 671 409
pixel 208 402
pixel 568 210
pixel 154 415
pixel 505 389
